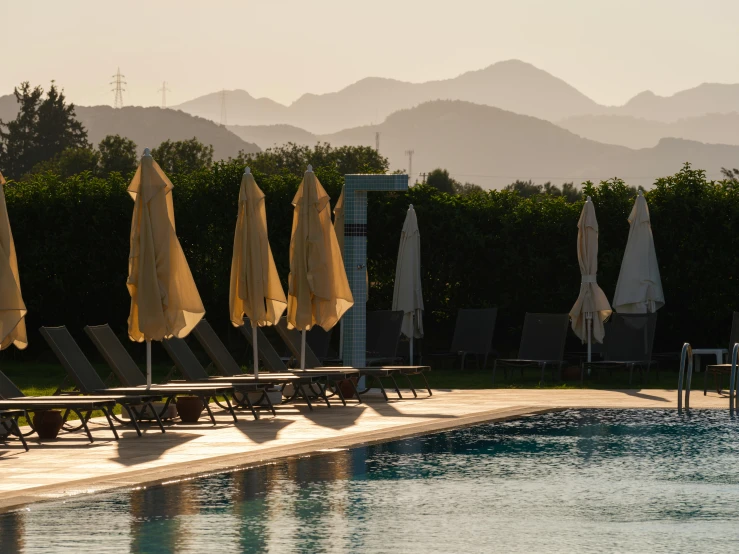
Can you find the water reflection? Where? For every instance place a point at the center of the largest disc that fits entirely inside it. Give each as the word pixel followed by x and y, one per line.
pixel 571 481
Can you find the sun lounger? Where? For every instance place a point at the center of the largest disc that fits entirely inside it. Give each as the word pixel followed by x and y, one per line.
pixel 627 345
pixel 473 335
pixel 305 383
pixel 133 379
pixel 13 399
pixel 9 423
pixel 542 344
pixel 88 382
pixel 383 335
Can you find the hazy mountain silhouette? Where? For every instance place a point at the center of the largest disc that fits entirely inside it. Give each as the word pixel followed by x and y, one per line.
pixel 643 133
pixel 492 147
pixel 512 85
pixel 265 136
pixel 703 99
pixel 148 127
pixel 241 108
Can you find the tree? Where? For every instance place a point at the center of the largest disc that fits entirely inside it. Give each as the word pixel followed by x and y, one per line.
pixel 528 189
pixel 43 129
pixel 119 154
pixel 467 188
pixel 440 179
pixel 293 159
pixel 183 156
pixel 71 161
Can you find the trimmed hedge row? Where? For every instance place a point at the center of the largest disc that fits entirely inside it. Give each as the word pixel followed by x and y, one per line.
pixel 478 250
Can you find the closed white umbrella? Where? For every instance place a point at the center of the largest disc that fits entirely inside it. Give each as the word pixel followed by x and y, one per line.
pixel 408 293
pixel 591 309
pixel 639 287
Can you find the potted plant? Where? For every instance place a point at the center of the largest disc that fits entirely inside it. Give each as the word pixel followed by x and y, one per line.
pixel 47 423
pixel 190 408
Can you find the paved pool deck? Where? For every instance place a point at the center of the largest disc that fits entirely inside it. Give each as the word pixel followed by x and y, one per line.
pixel 70 465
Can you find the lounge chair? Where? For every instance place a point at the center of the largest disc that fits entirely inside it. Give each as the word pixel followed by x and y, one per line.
pixel 473 335
pixel 542 344
pixel 13 399
pixel 88 382
pixel 131 377
pixel 9 422
pixel 627 345
pixel 190 367
pixel 305 383
pixel 717 370
pixel 383 335
pixel 292 339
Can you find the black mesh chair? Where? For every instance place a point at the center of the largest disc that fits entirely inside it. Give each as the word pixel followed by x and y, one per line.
pixel 627 345
pixel 719 370
pixel 383 335
pixel 473 335
pixel 542 345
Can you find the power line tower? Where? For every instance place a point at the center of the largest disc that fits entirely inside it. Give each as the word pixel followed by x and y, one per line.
pixel 410 153
pixel 119 90
pixel 164 90
pixel 377 142
pixel 223 108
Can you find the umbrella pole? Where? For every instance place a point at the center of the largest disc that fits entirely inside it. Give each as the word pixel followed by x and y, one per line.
pixel 302 350
pixel 148 364
pixel 341 340
pixel 256 351
pixel 413 334
pixel 589 325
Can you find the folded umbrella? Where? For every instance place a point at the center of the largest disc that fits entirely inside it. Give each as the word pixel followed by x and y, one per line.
pixel 591 309
pixel 255 289
pixel 12 307
pixel 639 286
pixel 164 299
pixel 318 289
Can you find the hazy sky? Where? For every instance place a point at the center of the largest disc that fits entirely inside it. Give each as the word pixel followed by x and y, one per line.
pixel 608 49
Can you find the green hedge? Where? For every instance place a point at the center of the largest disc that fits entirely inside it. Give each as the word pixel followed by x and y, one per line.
pixel 478 250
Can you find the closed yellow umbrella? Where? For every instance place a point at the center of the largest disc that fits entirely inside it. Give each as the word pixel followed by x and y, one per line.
pixel 12 308
pixel 591 309
pixel 164 299
pixel 318 292
pixel 255 285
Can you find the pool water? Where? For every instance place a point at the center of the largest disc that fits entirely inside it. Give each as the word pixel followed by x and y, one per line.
pixel 572 481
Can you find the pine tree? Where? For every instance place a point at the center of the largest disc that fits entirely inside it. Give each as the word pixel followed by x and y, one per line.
pixel 43 129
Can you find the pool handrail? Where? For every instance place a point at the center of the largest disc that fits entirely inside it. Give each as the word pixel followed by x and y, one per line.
pixel 732 379
pixel 686 358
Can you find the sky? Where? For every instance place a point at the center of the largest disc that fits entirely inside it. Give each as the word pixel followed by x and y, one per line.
pixel 608 49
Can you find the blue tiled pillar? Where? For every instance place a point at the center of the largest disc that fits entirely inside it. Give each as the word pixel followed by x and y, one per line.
pixel 355 257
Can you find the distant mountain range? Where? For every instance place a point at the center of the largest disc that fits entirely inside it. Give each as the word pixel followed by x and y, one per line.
pixel 493 147
pixel 635 132
pixel 148 127
pixel 511 85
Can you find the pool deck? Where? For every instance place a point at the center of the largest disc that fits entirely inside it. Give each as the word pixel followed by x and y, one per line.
pixel 70 465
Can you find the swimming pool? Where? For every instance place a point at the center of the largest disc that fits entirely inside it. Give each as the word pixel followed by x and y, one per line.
pixel 572 481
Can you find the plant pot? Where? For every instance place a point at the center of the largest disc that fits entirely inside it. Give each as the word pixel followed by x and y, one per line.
pixel 571 373
pixel 189 408
pixel 346 386
pixel 47 423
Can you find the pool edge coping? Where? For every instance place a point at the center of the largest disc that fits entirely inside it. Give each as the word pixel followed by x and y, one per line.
pixel 244 460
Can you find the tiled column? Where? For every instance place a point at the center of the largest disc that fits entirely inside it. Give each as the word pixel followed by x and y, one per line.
pixel 355 257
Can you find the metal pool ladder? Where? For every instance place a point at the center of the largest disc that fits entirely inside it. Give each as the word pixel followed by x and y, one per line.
pixel 733 402
pixel 686 361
